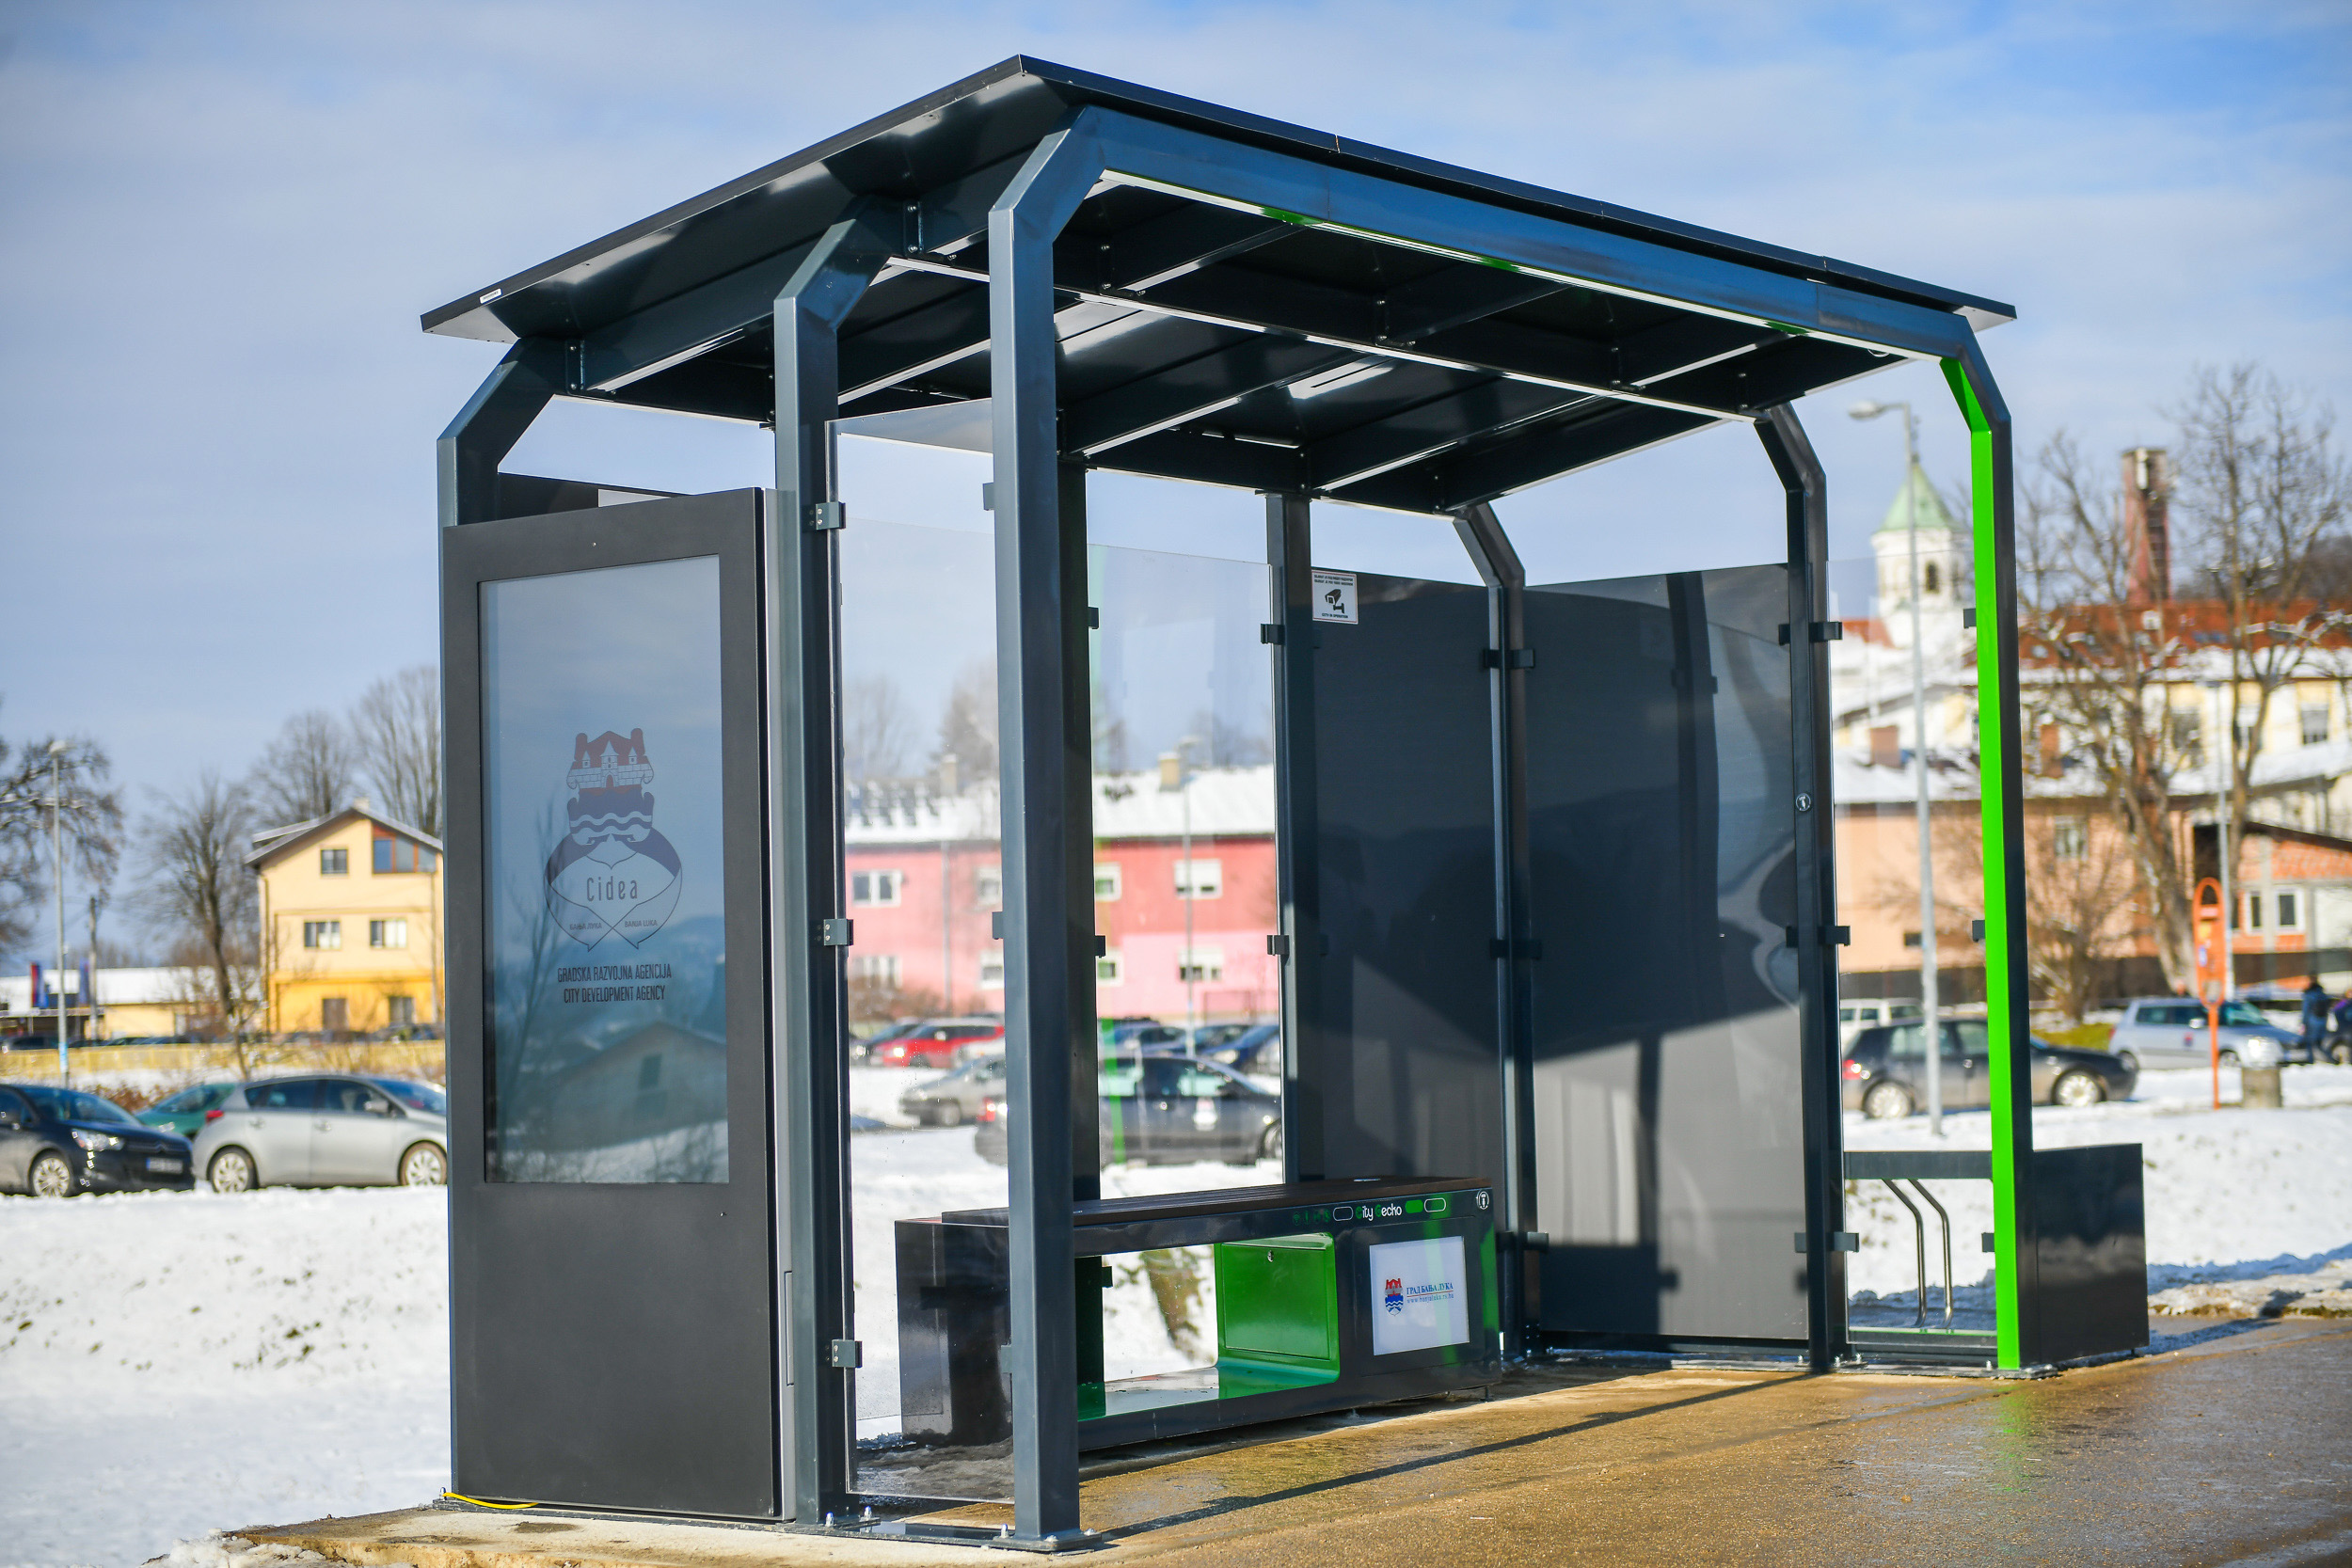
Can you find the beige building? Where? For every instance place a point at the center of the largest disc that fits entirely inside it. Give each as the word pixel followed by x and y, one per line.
pixel 351 924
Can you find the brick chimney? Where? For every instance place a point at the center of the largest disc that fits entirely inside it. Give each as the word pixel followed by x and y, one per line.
pixel 2147 500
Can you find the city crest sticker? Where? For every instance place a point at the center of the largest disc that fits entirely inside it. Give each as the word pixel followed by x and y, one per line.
pixel 613 874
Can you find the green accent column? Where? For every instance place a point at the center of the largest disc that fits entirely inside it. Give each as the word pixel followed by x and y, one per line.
pixel 2006 978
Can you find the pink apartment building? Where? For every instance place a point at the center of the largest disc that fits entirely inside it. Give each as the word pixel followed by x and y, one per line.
pixel 925 873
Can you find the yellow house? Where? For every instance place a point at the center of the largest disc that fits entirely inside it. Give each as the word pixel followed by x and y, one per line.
pixel 351 924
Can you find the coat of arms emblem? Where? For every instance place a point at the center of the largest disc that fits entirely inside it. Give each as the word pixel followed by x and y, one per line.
pixel 613 874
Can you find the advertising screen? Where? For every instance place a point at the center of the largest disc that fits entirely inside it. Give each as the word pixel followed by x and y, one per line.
pixel 606 950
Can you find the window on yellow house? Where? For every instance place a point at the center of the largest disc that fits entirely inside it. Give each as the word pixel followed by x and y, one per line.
pixel 334 862
pixel 387 933
pixel 395 853
pixel 322 933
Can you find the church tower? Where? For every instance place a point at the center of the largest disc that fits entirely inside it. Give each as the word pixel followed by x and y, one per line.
pixel 1943 571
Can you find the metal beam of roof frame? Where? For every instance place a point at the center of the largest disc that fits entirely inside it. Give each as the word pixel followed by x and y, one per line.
pixel 1197 387
pixel 1455 296
pixel 1441 423
pixel 1174 300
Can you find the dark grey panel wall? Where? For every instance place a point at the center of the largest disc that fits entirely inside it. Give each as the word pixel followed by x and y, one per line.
pixel 1666 1100
pixel 1401 1056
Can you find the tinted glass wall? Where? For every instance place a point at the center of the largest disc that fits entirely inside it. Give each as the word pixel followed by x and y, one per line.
pixel 1398 1070
pixel 1666 1103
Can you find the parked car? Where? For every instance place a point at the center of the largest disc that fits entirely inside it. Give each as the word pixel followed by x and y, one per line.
pixel 1255 1048
pixel 861 1050
pixel 2172 1031
pixel 1166 1111
pixel 55 1143
pixel 32 1043
pixel 940 1043
pixel 1854 1016
pixel 1886 1074
pixel 325 1130
pixel 1134 1035
pixel 184 1112
pixel 956 1099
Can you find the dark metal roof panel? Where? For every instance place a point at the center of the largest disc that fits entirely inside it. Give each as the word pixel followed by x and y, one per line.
pixel 990 117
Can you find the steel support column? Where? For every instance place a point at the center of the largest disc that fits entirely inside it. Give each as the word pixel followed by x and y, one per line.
pixel 1498 566
pixel 807 983
pixel 469 453
pixel 1289 546
pixel 1801 476
pixel 2017 1265
pixel 1042 927
pixel 1077 691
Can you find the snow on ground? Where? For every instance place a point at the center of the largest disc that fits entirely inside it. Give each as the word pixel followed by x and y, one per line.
pixel 181 1363
pixel 2232 1193
pixel 175 1363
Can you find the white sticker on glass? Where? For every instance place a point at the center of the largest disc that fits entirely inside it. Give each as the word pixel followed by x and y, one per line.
pixel 1335 597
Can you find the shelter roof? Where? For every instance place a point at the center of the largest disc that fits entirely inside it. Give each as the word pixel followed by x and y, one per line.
pixel 1238 300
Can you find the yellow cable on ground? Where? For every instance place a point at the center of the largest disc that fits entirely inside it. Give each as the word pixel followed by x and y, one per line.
pixel 460 1496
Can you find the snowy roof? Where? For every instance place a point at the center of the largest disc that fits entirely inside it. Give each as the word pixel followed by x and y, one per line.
pixel 117 987
pixel 1226 802
pixel 269 841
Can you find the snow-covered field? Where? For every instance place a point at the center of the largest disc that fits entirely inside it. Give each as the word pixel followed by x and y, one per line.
pixel 180 1363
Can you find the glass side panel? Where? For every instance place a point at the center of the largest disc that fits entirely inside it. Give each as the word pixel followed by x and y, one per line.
pixel 606 951
pixel 923 859
pixel 1397 1059
pixel 1668 1116
pixel 1188 999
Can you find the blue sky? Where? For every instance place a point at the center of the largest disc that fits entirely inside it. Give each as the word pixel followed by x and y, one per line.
pixel 219 225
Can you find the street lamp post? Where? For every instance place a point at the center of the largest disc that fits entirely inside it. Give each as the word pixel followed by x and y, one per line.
pixel 1930 1002
pixel 56 860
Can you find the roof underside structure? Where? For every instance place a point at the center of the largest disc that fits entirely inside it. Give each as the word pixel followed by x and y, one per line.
pixel 1237 302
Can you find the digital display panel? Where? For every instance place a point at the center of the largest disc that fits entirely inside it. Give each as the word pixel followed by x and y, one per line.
pixel 1420 1294
pixel 605 955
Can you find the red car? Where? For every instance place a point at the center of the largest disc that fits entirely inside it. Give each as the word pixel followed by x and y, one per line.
pixel 938 1045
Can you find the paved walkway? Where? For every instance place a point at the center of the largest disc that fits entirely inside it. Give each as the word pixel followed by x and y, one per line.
pixel 2235 1446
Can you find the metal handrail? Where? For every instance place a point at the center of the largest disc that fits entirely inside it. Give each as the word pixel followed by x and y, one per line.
pixel 1947 1221
pixel 1886 1168
pixel 1920 1238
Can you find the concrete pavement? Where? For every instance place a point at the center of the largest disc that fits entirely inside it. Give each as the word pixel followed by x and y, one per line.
pixel 2234 1445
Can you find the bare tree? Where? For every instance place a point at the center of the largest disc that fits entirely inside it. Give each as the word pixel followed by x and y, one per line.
pixel 2082 911
pixel 306 772
pixel 967 727
pixel 198 892
pixel 2266 498
pixel 878 732
pixel 397 728
pixel 91 828
pixel 2104 673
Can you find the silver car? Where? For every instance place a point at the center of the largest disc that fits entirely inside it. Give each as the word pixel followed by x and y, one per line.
pixel 2173 1031
pixel 952 1100
pixel 325 1129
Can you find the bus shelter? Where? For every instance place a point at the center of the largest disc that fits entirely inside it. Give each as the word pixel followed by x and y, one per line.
pixel 1553 909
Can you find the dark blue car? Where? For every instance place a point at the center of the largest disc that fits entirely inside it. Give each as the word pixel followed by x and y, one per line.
pixel 55 1143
